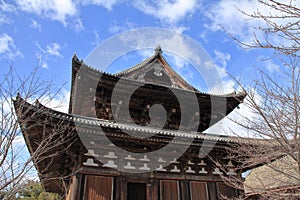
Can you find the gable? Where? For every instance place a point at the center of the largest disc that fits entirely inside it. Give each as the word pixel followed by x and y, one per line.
pixel 156 70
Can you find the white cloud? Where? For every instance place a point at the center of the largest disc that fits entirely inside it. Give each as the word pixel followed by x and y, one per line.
pixel 204 35
pixel 19 140
pixel 60 102
pixel 34 24
pixel 58 10
pixel 116 28
pixel 43 55
pixel 65 11
pixel 168 39
pixel 145 53
pixel 226 14
pixel 221 60
pixel 182 67
pixel 178 29
pixel 39 47
pixel 6 7
pixel 222 57
pixel 4 19
pixel 97 36
pixel 44 65
pixel 53 50
pixel 271 67
pixel 209 65
pixel 205 74
pixel 97 39
pixel 229 125
pixel 167 10
pixel 41 61
pixel 77 24
pixel 225 87
pixel 68 12
pixel 6 42
pixel 209 75
pixel 8 47
pixel 105 3
pixel 179 62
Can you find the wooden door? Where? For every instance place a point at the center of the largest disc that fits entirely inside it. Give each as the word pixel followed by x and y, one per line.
pixel 136 191
pixel 169 190
pixel 198 190
pixel 98 188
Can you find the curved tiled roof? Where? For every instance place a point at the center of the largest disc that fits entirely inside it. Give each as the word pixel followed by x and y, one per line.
pixel 91 121
pixel 98 73
pixel 138 66
pixel 148 61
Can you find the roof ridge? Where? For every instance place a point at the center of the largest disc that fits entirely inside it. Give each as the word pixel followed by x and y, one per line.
pixel 157 52
pixel 157 55
pixel 138 66
pixel 188 84
pixel 109 123
pixel 232 94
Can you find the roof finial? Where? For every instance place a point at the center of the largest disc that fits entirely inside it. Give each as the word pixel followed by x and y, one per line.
pixel 18 97
pixel 74 55
pixel 158 50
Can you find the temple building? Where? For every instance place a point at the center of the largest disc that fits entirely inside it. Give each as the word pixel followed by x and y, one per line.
pixel 274 179
pixel 108 148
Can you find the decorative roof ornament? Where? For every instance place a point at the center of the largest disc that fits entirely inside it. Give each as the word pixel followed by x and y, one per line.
pixel 75 59
pixel 75 56
pixel 158 50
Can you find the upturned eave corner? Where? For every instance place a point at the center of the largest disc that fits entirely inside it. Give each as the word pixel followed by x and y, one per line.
pixel 76 63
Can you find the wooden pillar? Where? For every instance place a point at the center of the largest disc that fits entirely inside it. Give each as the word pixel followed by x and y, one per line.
pixel 212 191
pixel 184 188
pixel 123 188
pixel 118 187
pixel 73 190
pixel 152 189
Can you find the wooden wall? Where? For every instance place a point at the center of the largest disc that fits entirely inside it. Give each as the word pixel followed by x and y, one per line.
pixel 98 188
pixel 94 187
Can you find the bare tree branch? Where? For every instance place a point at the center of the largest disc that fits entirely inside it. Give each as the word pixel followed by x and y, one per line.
pixel 274 103
pixel 15 165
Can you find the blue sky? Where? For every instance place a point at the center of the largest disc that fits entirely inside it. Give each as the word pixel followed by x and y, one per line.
pixel 48 33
